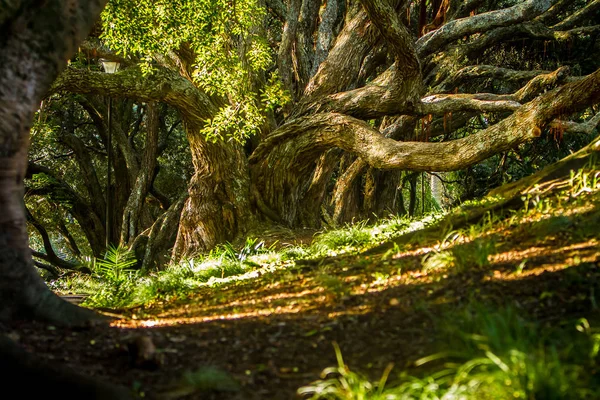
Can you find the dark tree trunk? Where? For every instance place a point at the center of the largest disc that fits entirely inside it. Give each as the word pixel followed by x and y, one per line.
pixel 412 197
pixel 157 245
pixel 17 365
pixel 37 39
pixel 133 209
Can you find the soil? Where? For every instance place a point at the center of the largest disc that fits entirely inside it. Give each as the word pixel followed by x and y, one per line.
pixel 274 334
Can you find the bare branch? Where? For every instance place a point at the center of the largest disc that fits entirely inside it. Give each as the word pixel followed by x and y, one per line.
pixel 314 134
pixel 587 127
pixel 484 71
pixel 162 85
pixel 588 12
pixel 440 104
pixel 459 28
pixel 540 83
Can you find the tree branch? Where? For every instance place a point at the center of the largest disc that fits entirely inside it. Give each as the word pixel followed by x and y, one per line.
pixel 89 172
pixel 342 66
pixel 50 255
pixel 383 15
pixel 459 28
pixel 483 72
pixel 47 267
pixel 162 85
pixel 314 134
pixel 588 12
pixel 587 127
pixel 440 104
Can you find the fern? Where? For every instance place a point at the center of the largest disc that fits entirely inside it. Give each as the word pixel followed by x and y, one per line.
pixel 117 264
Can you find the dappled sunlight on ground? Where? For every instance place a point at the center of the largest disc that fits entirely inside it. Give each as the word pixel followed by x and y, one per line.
pixel 273 327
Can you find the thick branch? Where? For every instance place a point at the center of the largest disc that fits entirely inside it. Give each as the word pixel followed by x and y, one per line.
pixel 288 36
pixel 341 67
pixel 90 222
pixel 459 28
pixel 588 12
pixel 162 85
pixel 315 134
pixel 471 72
pixel 325 34
pixel 383 15
pixel 554 11
pixel 50 255
pixel 143 182
pixel 440 104
pixel 389 94
pixel 587 127
pixel 162 234
pixel 89 172
pixel 47 267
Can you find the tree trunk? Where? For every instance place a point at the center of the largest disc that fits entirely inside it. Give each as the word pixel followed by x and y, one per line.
pixel 37 39
pixel 133 209
pixel 161 238
pixel 218 208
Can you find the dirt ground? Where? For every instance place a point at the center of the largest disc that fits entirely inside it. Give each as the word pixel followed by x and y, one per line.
pixel 274 334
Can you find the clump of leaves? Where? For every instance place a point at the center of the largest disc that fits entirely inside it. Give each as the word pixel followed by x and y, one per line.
pixel 438 260
pixel 118 277
pixel 227 252
pixel 332 284
pixel 341 383
pixel 475 254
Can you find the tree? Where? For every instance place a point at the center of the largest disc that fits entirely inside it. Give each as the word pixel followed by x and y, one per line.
pixel 66 190
pixel 37 40
pixel 371 101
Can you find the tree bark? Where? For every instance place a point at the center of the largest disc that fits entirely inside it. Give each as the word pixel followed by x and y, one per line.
pixel 133 209
pixel 219 204
pixel 37 39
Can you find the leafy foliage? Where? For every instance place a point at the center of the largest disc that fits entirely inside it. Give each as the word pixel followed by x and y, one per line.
pixel 221 43
pixel 116 265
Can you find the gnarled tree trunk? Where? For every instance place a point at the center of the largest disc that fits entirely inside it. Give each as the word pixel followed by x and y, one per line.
pixel 218 207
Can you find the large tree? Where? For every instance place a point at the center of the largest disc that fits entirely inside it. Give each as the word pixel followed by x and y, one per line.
pixel 37 40
pixel 377 87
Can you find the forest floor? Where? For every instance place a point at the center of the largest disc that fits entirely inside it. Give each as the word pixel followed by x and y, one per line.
pixel 274 333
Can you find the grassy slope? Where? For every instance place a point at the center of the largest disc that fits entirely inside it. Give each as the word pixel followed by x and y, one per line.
pixel 497 299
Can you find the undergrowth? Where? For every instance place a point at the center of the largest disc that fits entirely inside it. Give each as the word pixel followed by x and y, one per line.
pixel 115 284
pixel 495 354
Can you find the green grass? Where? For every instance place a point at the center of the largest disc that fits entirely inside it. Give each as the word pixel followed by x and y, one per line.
pixel 114 284
pixel 353 238
pixel 495 354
